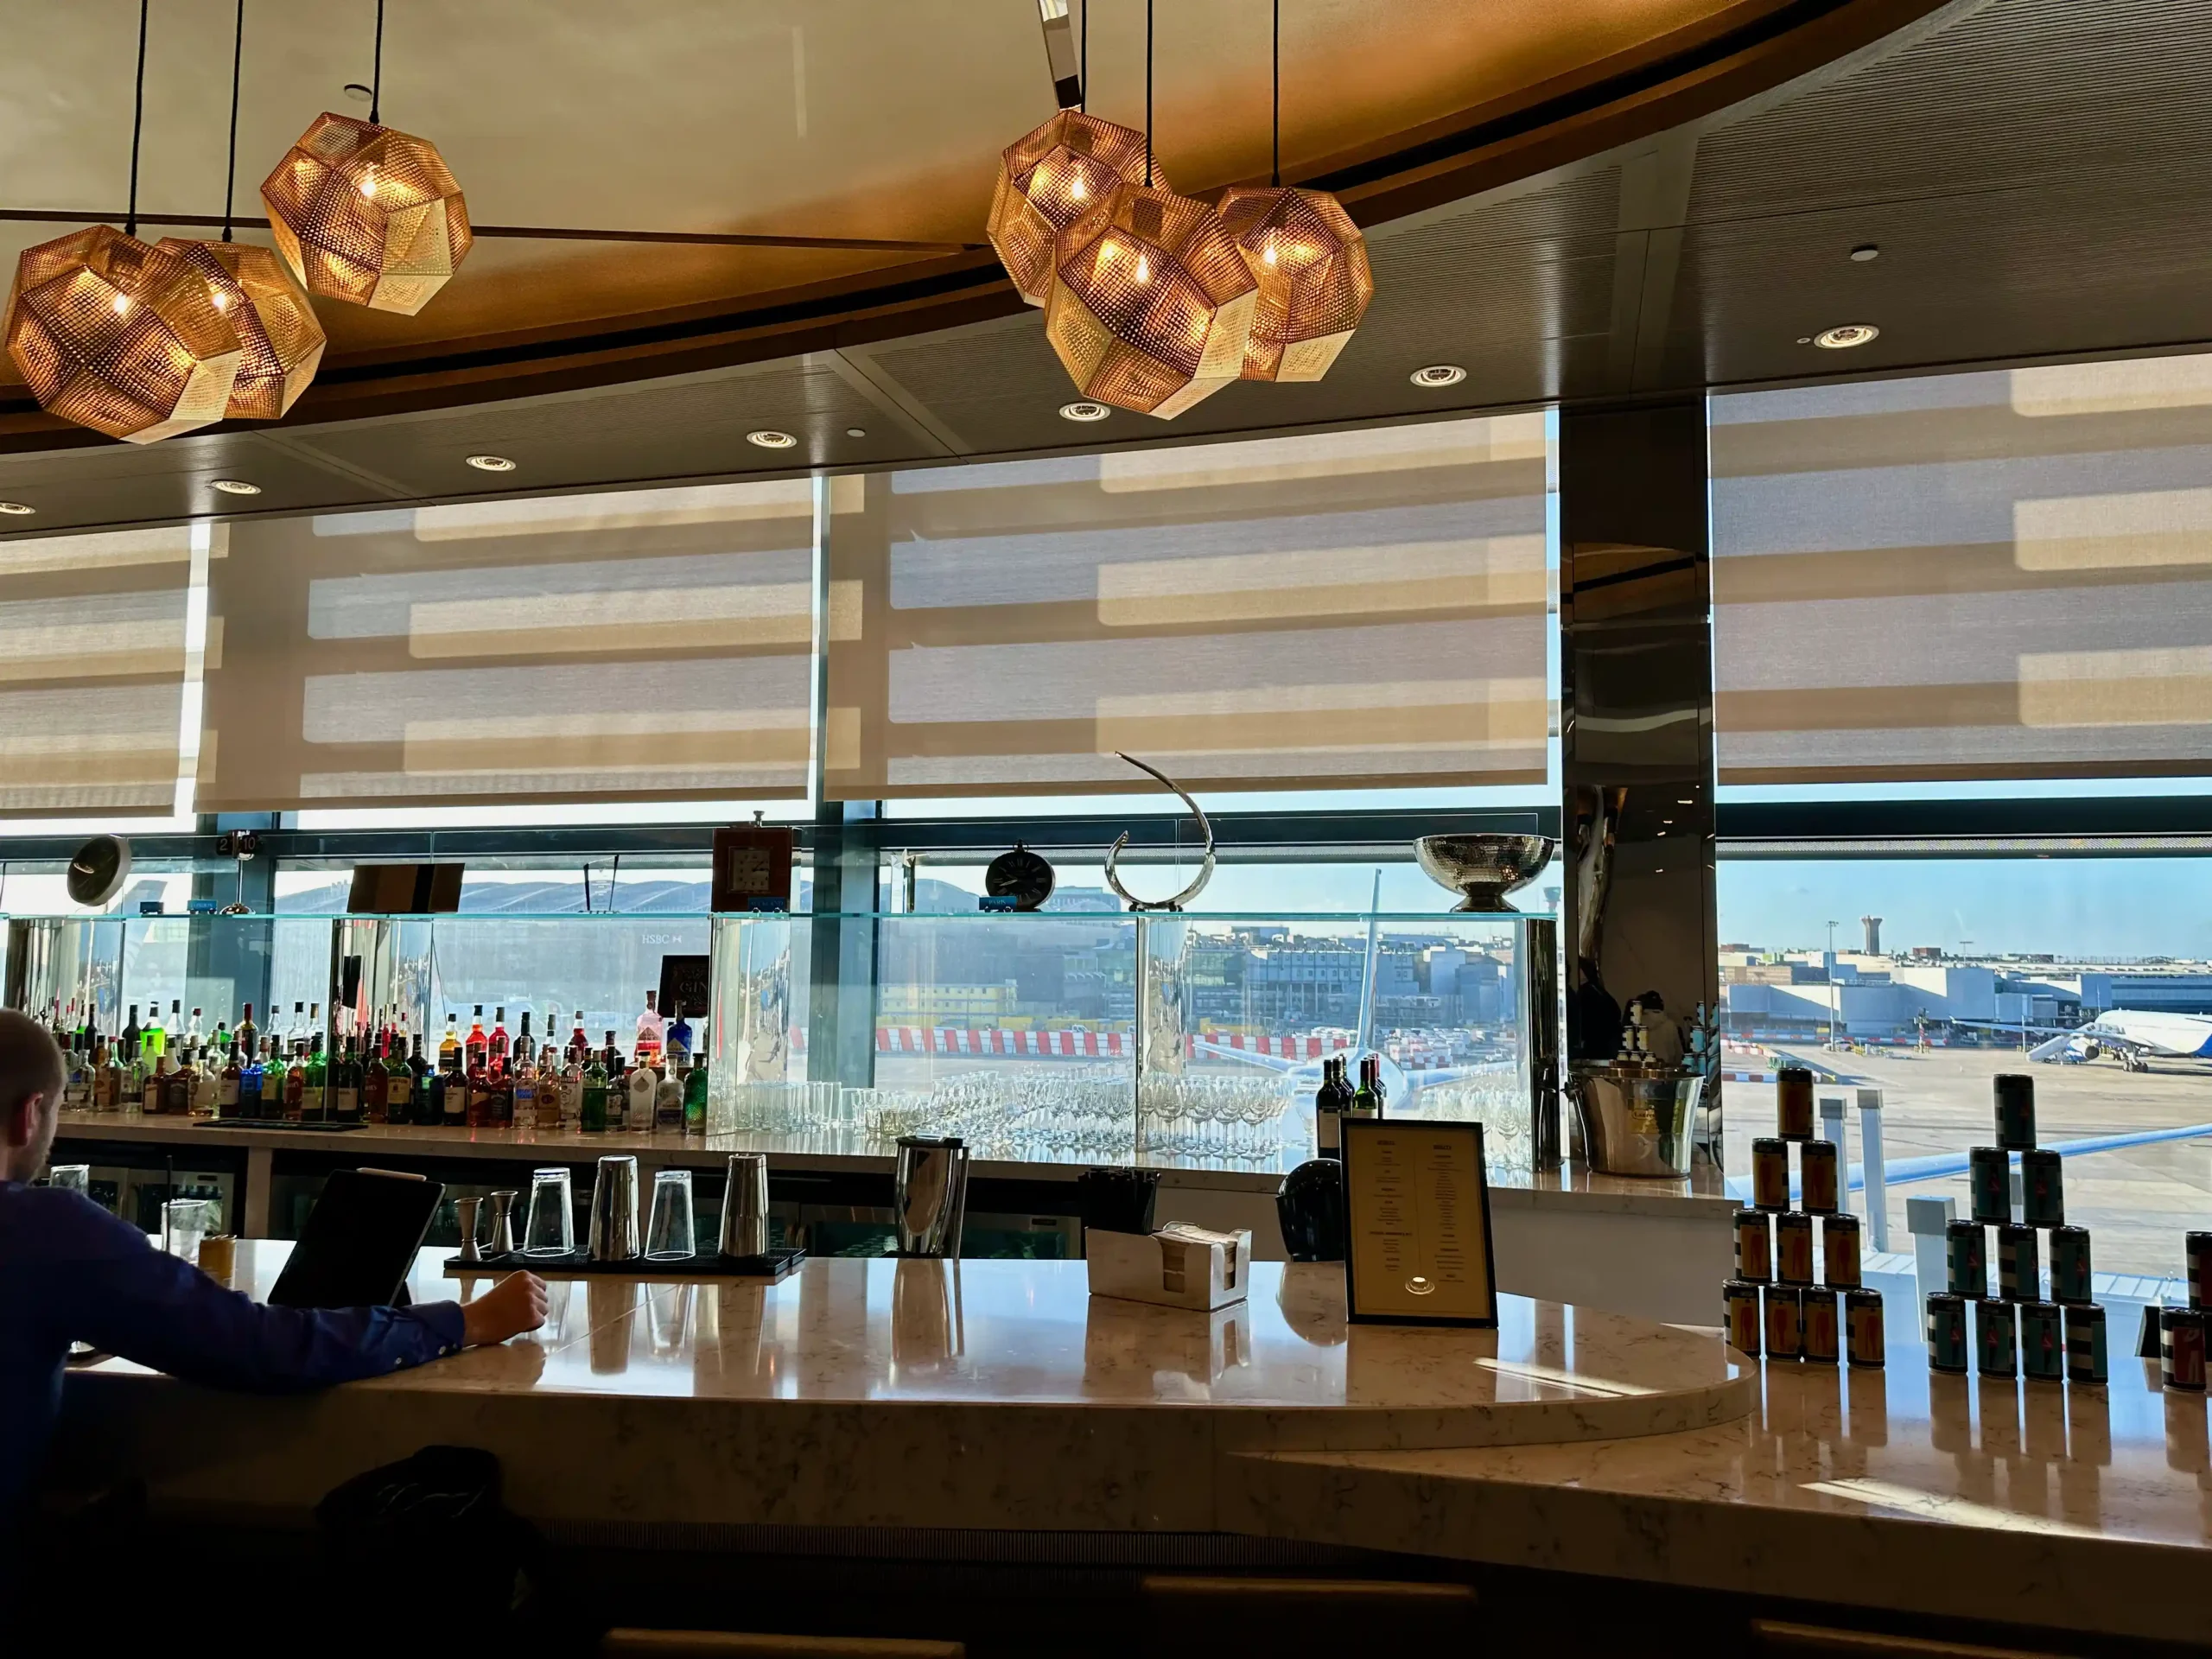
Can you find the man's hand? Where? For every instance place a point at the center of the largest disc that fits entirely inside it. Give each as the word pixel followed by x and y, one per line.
pixel 516 1304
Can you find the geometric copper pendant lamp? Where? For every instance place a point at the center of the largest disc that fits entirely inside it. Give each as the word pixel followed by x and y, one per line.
pixel 1050 178
pixel 1308 259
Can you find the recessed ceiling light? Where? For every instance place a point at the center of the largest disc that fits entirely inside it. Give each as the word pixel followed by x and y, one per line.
pixel 358 92
pixel 492 463
pixel 856 431
pixel 1845 335
pixel 234 486
pixel 1865 251
pixel 772 440
pixel 16 509
pixel 1085 411
pixel 1438 374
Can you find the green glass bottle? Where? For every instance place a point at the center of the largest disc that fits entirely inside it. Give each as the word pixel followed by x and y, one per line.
pixel 315 1094
pixel 695 1098
pixel 591 1116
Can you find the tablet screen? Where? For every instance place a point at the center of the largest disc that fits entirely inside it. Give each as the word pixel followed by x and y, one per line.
pixel 359 1240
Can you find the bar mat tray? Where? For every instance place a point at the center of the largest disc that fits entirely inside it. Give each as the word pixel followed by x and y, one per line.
pixel 707 1266
pixel 313 1125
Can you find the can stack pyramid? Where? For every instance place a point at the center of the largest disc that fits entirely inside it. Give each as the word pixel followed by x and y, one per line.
pixel 1777 1305
pixel 2017 1330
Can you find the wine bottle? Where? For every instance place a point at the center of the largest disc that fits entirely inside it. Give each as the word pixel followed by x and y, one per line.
pixel 1328 1140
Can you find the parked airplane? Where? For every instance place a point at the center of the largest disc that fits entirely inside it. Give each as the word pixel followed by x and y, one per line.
pixel 2129 1035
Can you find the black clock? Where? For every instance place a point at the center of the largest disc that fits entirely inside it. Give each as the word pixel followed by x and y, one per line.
pixel 1021 876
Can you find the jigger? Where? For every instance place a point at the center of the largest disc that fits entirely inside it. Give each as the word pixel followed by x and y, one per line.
pixel 503 1223
pixel 615 1209
pixel 464 1211
pixel 744 1206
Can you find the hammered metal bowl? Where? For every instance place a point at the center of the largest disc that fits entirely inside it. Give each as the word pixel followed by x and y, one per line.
pixel 1483 869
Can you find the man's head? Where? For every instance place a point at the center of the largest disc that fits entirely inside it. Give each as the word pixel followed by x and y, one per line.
pixel 31 1075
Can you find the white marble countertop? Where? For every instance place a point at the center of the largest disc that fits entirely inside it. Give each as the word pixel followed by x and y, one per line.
pixel 1700 1194
pixel 2074 1508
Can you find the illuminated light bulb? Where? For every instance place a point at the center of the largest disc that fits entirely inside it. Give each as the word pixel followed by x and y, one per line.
pixel 1044 186
pixel 367 215
pixel 1144 269
pixel 1311 264
pixel 222 300
pixel 1269 256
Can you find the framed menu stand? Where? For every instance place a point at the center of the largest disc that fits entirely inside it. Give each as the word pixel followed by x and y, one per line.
pixel 1417 1240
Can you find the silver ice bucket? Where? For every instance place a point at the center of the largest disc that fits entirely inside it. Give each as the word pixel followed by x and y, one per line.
pixel 1634 1124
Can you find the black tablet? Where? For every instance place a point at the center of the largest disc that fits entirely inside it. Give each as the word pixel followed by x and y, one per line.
pixel 359 1240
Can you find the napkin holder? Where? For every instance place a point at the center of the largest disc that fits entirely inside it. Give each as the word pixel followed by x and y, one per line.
pixel 1175 1266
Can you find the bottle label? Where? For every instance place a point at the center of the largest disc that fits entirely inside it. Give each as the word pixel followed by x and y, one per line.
pixel 1326 1135
pixel 397 1093
pixel 349 1104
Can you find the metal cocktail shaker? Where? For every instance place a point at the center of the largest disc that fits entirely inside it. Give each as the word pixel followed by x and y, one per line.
pixel 928 1195
pixel 615 1209
pixel 744 1206
pixel 503 1223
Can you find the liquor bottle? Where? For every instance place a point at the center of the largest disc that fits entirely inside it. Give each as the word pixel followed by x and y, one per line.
pixel 207 1094
pixel 249 1078
pixel 579 1044
pixel 221 1042
pixel 521 1083
pixel 695 1096
pixel 77 1080
pixel 450 1046
pixel 1327 1139
pixel 132 1035
pixel 473 1045
pixel 668 1100
pixel 248 1038
pixel 376 1081
pixel 497 1054
pixel 153 1040
pixel 547 1089
pixel 152 1081
pixel 316 1101
pixel 644 1089
pixel 591 1103
pixel 180 1086
pixel 176 1032
pixel 346 1086
pixel 651 1030
pixel 295 1084
pixel 679 1034
pixel 618 1087
pixel 452 1090
pixel 524 1055
pixel 479 1087
pixel 227 1090
pixel 572 1088
pixel 399 1079
pixel 192 1033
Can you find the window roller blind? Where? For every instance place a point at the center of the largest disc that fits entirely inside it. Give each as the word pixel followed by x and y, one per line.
pixel 640 646
pixel 1351 609
pixel 1986 575
pixel 92 672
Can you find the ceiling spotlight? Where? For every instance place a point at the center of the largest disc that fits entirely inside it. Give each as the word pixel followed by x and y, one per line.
pixel 1865 251
pixel 1438 374
pixel 234 486
pixel 492 463
pixel 856 431
pixel 358 92
pixel 769 439
pixel 1845 335
pixel 16 509
pixel 1085 411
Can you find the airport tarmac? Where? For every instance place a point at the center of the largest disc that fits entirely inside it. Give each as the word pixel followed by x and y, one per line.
pixel 2136 1201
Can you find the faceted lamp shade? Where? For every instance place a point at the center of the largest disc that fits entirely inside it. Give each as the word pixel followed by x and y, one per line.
pixel 120 337
pixel 1311 262
pixel 1051 179
pixel 367 215
pixel 282 340
pixel 1152 304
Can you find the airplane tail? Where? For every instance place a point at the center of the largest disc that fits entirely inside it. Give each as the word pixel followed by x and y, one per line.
pixel 1363 1037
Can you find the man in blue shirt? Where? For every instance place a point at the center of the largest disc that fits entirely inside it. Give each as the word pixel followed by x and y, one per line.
pixel 69 1271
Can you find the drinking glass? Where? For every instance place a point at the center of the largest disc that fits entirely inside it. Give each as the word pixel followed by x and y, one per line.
pixel 551 1227
pixel 185 1222
pixel 70 1178
pixel 668 1234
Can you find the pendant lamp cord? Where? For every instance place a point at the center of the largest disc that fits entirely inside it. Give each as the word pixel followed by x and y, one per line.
pixel 231 167
pixel 1274 165
pixel 375 75
pixel 1082 61
pixel 137 122
pixel 1147 92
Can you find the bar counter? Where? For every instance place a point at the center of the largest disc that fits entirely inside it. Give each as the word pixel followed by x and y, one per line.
pixel 998 1395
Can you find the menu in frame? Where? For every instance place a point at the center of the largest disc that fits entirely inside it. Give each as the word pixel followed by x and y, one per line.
pixel 1417 1224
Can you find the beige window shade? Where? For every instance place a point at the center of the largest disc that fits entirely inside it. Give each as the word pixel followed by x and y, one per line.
pixel 1985 576
pixel 92 672
pixel 642 645
pixel 1363 608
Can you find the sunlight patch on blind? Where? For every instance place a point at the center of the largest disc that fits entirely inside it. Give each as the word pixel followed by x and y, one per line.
pixel 2144 383
pixel 2129 530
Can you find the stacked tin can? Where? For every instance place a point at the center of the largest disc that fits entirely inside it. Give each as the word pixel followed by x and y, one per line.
pixel 2016 1330
pixel 1782 1303
pixel 2176 1337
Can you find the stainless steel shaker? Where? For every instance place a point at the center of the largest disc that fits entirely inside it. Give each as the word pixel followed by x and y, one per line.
pixel 929 1197
pixel 464 1212
pixel 502 1223
pixel 744 1206
pixel 615 1209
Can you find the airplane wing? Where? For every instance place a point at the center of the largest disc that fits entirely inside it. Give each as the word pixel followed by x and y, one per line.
pixel 1277 1062
pixel 2135 1032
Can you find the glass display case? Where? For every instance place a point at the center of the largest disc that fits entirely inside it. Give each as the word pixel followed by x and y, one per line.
pixel 1177 1039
